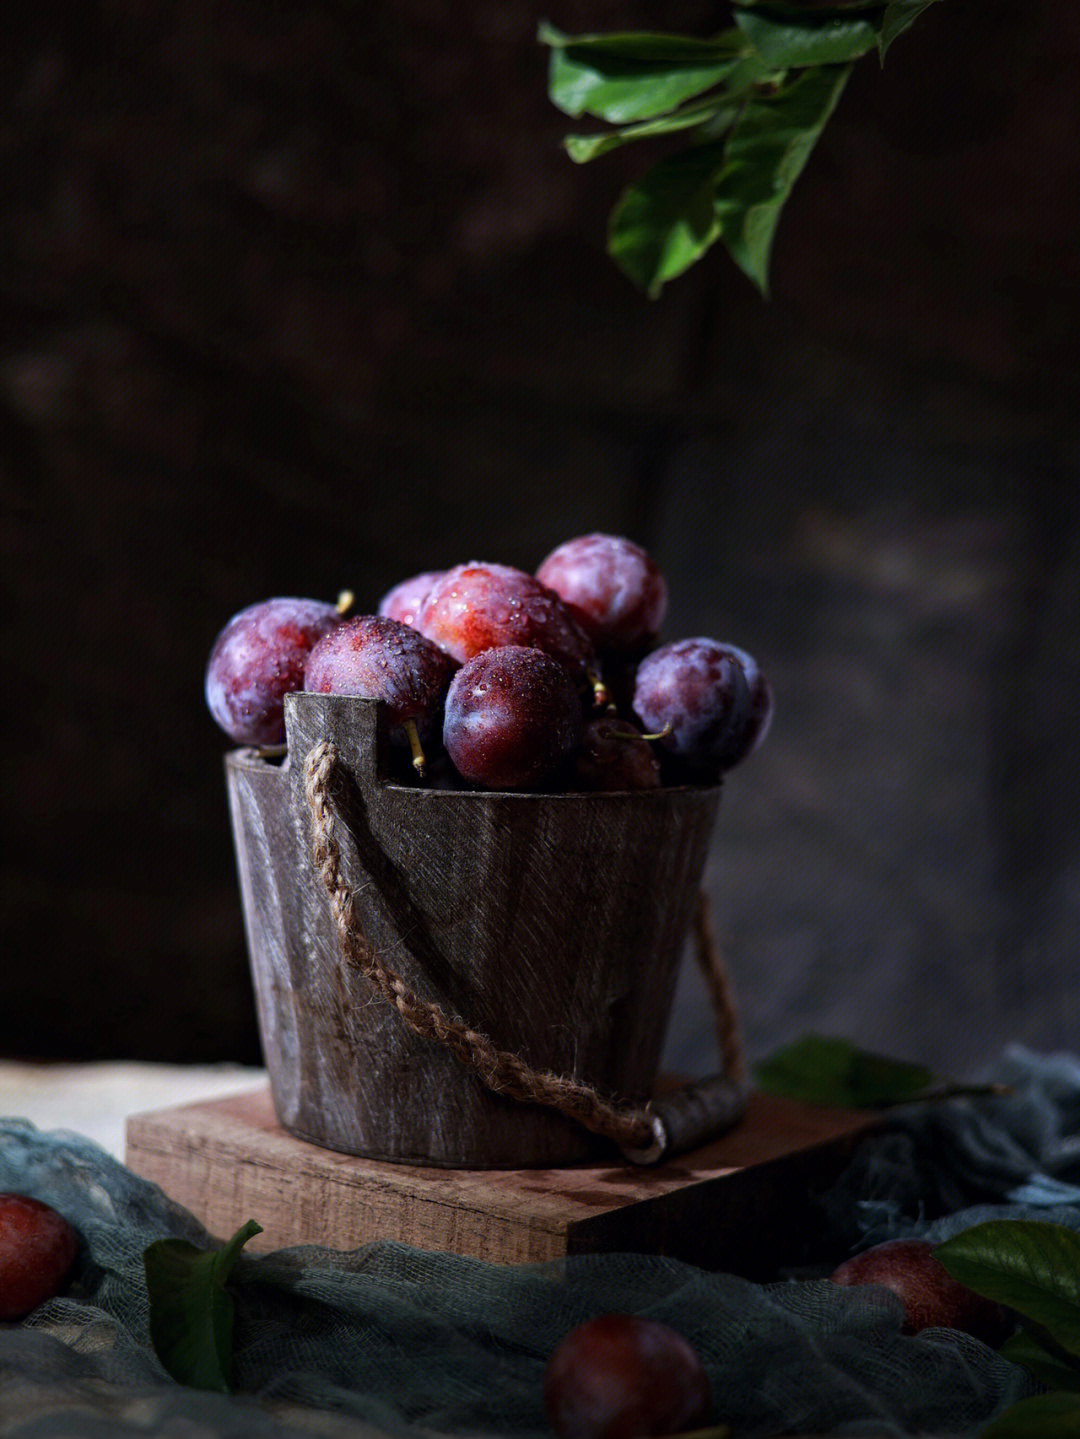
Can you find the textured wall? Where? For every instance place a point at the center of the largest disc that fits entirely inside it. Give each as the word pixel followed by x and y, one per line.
pixel 302 295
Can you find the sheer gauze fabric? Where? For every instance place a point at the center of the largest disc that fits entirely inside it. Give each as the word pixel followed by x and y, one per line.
pixel 393 1339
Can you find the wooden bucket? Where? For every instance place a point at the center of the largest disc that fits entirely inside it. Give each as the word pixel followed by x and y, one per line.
pixel 553 923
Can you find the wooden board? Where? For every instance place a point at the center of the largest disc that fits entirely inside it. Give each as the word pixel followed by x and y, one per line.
pixel 742 1203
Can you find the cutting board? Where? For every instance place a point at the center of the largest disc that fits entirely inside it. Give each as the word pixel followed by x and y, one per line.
pixel 743 1203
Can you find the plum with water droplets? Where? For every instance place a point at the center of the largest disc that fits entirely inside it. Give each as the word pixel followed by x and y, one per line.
pixel 259 658
pixel 377 658
pixel 478 607
pixel 513 718
pixel 696 690
pixel 612 587
pixel 405 601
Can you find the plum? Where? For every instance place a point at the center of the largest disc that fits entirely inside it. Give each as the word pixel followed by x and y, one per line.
pixel 620 1376
pixel 612 587
pixel 259 658
pixel 37 1249
pixel 615 755
pixel 932 1298
pixel 374 657
pixel 512 718
pixel 760 712
pixel 405 601
pixel 478 607
pixel 696 690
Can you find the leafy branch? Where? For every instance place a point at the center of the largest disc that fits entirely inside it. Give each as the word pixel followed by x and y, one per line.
pixel 750 102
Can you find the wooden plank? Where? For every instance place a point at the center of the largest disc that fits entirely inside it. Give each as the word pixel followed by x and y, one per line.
pixel 738 1203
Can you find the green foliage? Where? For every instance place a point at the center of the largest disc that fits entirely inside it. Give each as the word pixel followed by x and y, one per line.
pixel 634 77
pixel 666 221
pixel 1031 1266
pixel 1034 1268
pixel 765 156
pixel 1047 1416
pixel 1054 1370
pixel 191 1311
pixel 823 1070
pixel 899 16
pixel 788 43
pixel 751 102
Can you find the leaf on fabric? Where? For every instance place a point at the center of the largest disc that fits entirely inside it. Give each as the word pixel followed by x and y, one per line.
pixel 1047 1416
pixel 899 16
pixel 1029 1265
pixel 191 1311
pixel 1053 1370
pixel 824 1070
pixel 622 78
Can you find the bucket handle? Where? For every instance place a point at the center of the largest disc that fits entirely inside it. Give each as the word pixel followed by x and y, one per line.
pixel 671 1123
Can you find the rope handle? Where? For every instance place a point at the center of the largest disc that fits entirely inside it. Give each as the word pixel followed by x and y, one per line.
pixel 643 1133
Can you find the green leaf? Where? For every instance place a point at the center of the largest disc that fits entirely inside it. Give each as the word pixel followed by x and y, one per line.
pixel 1053 1370
pixel 766 153
pixel 1047 1416
pixel 191 1312
pixel 629 77
pixel 1030 1265
pixel 646 48
pixel 668 219
pixel 811 40
pixel 799 9
pixel 899 16
pixel 832 1071
pixel 582 148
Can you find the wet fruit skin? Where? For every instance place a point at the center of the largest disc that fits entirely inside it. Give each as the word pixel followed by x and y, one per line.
pixel 620 1377
pixel 932 1298
pixel 478 607
pixel 512 718
pixel 614 755
pixel 612 587
pixel 697 686
pixel 759 716
pixel 37 1249
pixel 259 658
pixel 374 657
pixel 405 601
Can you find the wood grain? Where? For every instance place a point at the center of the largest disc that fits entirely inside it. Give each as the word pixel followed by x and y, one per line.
pixel 553 923
pixel 739 1203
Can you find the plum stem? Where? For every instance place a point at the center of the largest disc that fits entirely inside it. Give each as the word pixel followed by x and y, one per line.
pixel 660 734
pixel 601 693
pixel 345 601
pixel 418 758
pixel 631 733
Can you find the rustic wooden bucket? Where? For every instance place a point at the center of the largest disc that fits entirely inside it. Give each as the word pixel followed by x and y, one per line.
pixel 553 923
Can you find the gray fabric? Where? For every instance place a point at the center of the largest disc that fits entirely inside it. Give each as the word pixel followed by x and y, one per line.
pixel 401 1339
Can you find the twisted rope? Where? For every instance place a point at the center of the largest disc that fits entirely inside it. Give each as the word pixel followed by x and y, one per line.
pixel 711 960
pixel 503 1072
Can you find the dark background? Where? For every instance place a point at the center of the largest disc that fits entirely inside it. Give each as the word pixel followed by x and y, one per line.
pixel 298 296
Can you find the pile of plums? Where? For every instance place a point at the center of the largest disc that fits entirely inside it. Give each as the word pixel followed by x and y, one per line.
pixel 496 678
